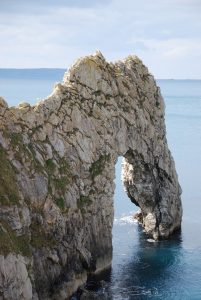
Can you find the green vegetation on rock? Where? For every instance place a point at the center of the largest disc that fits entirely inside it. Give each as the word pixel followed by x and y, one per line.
pixel 23 152
pixel 20 149
pixel 98 166
pixel 16 138
pixel 8 187
pixel 58 177
pixel 61 183
pixel 64 167
pixel 60 203
pixel 11 242
pixel 50 165
pixel 39 238
pixel 84 202
pixel 32 157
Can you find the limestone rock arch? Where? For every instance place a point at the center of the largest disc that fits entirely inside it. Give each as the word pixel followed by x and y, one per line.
pixel 60 156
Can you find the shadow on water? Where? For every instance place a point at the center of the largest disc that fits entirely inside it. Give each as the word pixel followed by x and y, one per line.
pixel 152 270
pixel 141 267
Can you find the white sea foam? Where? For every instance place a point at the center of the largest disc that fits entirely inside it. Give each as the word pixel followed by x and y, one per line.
pixel 151 240
pixel 125 219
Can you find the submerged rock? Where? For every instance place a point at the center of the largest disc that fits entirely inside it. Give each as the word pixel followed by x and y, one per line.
pixel 57 174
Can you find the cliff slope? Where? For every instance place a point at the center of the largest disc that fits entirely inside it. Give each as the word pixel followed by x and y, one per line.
pixel 57 169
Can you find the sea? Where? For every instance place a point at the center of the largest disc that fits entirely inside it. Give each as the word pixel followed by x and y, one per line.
pixel 142 268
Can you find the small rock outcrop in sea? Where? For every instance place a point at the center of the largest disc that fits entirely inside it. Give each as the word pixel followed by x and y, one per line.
pixel 57 170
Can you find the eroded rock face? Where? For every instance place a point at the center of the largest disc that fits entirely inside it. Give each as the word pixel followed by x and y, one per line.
pixel 57 162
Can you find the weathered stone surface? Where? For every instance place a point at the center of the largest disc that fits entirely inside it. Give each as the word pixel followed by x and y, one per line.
pixel 14 279
pixel 57 174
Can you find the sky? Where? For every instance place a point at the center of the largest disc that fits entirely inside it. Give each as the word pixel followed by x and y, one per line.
pixel 165 34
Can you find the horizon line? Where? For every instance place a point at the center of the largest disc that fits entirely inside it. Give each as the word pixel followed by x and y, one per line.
pixel 65 69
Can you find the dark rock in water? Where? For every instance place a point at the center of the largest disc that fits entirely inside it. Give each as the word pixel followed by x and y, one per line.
pixel 93 290
pixel 138 216
pixel 57 168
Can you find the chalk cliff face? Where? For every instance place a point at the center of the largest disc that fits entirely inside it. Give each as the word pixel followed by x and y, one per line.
pixel 57 169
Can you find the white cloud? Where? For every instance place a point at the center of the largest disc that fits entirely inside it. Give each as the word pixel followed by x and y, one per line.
pixel 172 48
pixel 165 34
pixel 173 58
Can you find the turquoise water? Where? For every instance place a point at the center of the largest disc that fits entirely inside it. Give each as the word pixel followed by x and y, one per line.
pixel 166 269
pixel 28 85
pixel 142 269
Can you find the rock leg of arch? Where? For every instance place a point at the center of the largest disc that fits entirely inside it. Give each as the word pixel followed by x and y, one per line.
pixel 57 174
pixel 155 192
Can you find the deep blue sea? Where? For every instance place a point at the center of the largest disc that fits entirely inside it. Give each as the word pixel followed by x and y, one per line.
pixel 142 269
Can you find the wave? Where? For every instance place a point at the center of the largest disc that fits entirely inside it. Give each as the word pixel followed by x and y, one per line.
pixel 126 219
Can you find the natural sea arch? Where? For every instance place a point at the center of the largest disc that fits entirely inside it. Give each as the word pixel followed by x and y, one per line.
pixel 61 155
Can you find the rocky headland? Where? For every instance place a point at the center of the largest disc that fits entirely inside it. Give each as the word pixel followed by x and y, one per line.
pixel 57 170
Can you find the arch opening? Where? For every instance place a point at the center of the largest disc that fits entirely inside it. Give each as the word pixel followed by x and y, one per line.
pixel 123 206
